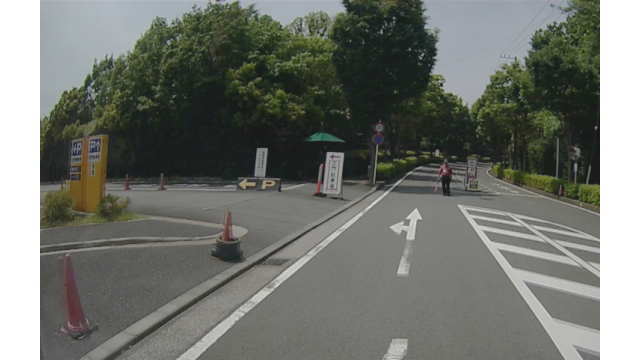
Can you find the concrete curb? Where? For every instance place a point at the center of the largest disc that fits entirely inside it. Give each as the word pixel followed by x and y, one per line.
pixel 562 199
pixel 121 241
pixel 114 346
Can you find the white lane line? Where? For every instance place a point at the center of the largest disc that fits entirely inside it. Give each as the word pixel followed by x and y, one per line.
pixel 225 325
pixel 580 336
pixel 510 233
pixel 579 246
pixel 562 285
pixel 535 253
pixel 405 264
pixel 562 249
pixel 563 232
pixel 595 265
pixel 546 197
pixel 292 187
pixel 501 221
pixel 397 349
pixel 567 350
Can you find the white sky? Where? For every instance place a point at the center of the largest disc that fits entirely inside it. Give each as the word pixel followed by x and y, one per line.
pixel 473 35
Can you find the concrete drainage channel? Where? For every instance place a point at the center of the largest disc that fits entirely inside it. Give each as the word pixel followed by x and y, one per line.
pixel 145 326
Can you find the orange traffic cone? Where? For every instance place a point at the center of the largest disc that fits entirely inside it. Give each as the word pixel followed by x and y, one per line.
pixel 77 325
pixel 126 183
pixel 162 182
pixel 319 183
pixel 227 233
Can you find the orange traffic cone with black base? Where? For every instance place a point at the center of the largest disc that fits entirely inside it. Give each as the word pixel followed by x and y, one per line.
pixel 77 325
pixel 227 246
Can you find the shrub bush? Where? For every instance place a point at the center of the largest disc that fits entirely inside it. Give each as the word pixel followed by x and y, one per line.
pixel 498 170
pixel 542 182
pixel 400 165
pixel 590 194
pixel 384 171
pixel 571 190
pixel 110 207
pixel 57 207
pixel 412 162
pixel 410 153
pixel 485 159
pixel 513 176
pixel 423 159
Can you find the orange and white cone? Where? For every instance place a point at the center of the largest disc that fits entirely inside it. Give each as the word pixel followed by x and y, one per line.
pixel 77 325
pixel 227 233
pixel 319 184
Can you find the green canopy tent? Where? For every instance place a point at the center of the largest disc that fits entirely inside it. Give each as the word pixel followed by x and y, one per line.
pixel 324 137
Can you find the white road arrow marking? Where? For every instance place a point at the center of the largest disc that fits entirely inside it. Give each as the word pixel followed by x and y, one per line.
pixel 413 217
pixel 397 350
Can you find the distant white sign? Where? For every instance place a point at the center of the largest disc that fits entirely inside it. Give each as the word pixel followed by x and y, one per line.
pixel 333 173
pixel 261 162
pixel 437 153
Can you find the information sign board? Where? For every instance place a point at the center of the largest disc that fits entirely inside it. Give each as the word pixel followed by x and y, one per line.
pixel 333 173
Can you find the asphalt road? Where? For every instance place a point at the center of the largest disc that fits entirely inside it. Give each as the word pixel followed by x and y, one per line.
pixel 118 286
pixel 499 274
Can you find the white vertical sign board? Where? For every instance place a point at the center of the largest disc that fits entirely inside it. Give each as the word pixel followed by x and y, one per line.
pixel 261 162
pixel 333 173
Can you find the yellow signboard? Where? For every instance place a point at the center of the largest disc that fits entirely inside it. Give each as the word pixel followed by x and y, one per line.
pixel 88 171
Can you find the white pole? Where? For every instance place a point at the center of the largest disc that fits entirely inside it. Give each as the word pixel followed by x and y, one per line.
pixel 557 156
pixel 375 166
pixel 588 174
pixel 575 172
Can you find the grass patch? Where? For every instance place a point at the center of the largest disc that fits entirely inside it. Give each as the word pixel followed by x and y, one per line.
pixel 91 219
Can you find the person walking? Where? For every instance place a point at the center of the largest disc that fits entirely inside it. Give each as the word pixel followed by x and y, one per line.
pixel 445 174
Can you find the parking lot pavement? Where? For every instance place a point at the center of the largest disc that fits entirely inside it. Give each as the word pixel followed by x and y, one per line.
pixel 120 285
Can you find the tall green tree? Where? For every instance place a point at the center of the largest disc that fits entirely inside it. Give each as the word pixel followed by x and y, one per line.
pixel 384 56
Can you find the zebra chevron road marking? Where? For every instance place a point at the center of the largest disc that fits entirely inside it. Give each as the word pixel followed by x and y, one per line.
pixel 569 338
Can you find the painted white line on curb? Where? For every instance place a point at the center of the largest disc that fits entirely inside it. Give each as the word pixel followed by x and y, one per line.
pixel 566 349
pixel 225 325
pixel 492 219
pixel 545 197
pixel 397 349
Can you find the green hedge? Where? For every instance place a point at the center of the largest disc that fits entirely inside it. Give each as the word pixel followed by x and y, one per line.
pixel 398 167
pixel 590 194
pixel 542 182
pixel 586 193
pixel 513 176
pixel 498 171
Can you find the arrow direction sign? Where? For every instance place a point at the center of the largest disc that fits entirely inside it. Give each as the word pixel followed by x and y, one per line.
pixel 413 217
pixel 245 183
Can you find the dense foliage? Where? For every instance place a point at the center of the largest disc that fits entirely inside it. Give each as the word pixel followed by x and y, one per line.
pixel 197 95
pixel 554 93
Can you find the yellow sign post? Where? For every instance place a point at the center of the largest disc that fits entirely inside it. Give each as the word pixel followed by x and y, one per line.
pixel 88 171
